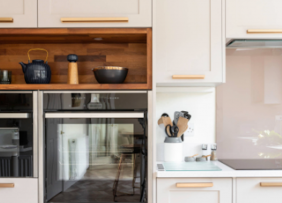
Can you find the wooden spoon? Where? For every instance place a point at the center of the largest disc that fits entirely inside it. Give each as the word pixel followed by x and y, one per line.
pixel 182 124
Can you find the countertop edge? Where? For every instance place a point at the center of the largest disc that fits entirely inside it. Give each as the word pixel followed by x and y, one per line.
pixel 226 172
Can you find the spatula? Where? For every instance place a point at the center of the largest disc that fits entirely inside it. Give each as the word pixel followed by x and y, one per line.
pixel 182 124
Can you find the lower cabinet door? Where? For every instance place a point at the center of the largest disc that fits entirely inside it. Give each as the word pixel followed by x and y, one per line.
pixel 194 190
pixel 18 190
pixel 259 190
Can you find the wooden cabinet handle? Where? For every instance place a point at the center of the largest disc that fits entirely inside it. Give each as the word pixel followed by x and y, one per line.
pixel 188 77
pixel 6 20
pixel 194 185
pixel 95 20
pixel 262 31
pixel 7 185
pixel 262 184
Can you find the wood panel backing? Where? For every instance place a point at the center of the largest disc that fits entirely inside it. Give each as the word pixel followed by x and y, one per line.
pixel 130 55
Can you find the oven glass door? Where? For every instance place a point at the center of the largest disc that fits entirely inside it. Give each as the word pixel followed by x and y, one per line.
pixel 18 140
pixel 96 156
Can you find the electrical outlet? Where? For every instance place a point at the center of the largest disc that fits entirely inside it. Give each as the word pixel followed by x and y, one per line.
pixel 190 131
pixel 278 118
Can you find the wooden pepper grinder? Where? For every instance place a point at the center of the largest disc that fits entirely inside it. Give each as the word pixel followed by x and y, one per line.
pixel 73 71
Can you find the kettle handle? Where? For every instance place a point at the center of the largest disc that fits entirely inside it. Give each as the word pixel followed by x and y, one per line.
pixel 37 49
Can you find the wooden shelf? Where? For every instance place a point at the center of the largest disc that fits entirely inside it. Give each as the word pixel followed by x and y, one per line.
pixel 125 47
pixel 137 86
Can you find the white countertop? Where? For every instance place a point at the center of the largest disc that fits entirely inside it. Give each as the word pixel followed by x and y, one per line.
pixel 226 172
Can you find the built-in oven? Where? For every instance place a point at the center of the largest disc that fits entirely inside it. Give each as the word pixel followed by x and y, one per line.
pixel 96 146
pixel 18 134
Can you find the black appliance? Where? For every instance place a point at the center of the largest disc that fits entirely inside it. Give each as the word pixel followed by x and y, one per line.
pixel 18 135
pixel 253 164
pixel 95 146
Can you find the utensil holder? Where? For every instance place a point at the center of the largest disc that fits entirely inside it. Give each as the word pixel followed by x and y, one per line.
pixel 173 149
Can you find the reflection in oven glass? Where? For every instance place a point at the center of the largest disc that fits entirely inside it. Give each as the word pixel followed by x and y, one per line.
pixel 95 163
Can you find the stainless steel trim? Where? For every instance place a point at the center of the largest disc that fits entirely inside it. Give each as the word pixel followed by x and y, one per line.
pixel 101 92
pixel 96 115
pixel 40 149
pixel 14 115
pixel 15 92
pixel 150 147
pixel 35 135
pixel 11 128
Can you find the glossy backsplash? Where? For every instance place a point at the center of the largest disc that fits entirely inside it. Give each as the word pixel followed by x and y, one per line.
pixel 249 105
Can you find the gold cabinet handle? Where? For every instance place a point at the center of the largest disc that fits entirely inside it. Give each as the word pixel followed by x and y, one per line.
pixel 95 20
pixel 188 77
pixel 6 20
pixel 194 185
pixel 264 31
pixel 263 184
pixel 7 185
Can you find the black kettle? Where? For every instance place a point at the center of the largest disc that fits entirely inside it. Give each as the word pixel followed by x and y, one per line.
pixel 36 72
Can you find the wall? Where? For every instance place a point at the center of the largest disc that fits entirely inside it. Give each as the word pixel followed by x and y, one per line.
pixel 200 103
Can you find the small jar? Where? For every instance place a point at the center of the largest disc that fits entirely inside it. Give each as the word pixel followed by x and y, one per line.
pixel 5 77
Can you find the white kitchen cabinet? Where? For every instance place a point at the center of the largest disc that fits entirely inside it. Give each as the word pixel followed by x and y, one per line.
pixel 94 13
pixel 18 13
pixel 255 15
pixel 189 41
pixel 15 190
pixel 250 190
pixel 198 190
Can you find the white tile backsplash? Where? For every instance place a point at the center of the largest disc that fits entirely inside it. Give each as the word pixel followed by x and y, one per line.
pixel 201 105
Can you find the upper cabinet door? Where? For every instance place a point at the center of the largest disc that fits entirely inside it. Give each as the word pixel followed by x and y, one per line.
pixel 94 13
pixel 255 19
pixel 18 13
pixel 189 37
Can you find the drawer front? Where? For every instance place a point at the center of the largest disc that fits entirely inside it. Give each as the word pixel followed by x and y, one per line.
pixel 255 17
pixel 94 13
pixel 183 190
pixel 259 190
pixel 18 190
pixel 18 13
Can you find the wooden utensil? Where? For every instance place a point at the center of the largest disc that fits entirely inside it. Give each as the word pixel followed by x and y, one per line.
pixel 194 155
pixel 165 119
pixel 206 156
pixel 160 121
pixel 182 124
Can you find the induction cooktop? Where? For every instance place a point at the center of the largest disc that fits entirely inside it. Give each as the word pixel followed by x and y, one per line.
pixel 253 164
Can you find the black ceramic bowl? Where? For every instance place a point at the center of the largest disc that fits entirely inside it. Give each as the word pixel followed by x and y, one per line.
pixel 110 74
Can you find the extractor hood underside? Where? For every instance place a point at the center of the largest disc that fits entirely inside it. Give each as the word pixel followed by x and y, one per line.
pixel 254 43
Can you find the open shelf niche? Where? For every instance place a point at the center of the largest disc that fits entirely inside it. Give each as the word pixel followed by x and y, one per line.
pixel 130 48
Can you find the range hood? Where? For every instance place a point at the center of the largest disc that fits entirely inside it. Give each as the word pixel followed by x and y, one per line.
pixel 254 43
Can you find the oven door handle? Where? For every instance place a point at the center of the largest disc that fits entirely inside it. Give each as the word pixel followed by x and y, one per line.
pixel 15 115
pixel 96 115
